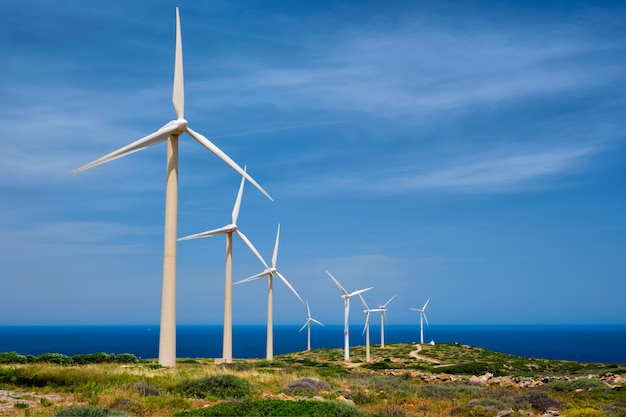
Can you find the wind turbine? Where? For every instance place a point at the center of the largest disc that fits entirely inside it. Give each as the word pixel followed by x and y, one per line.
pixel 170 133
pixel 270 272
pixel 366 329
pixel 383 316
pixel 307 324
pixel 228 230
pixel 346 300
pixel 423 317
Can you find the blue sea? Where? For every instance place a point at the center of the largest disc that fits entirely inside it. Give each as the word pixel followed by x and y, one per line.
pixel 592 343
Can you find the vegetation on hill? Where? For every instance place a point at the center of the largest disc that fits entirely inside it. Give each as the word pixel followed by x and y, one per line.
pixel 439 380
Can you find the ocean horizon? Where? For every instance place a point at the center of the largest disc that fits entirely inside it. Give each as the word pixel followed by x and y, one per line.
pixel 583 343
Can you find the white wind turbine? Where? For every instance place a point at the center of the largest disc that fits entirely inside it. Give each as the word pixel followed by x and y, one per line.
pixel 307 324
pixel 366 329
pixel 346 300
pixel 383 317
pixel 228 230
pixel 423 317
pixel 270 272
pixel 170 133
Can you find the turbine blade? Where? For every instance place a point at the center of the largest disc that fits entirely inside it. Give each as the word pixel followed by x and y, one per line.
pixel 308 310
pixel 364 303
pixel 220 154
pixel 251 247
pixel 353 293
pixel 238 200
pixel 208 233
pixel 337 283
pixel 178 94
pixel 426 319
pixel 252 278
pixel 427 301
pixel 388 301
pixel 367 321
pixel 275 255
pixel 303 327
pixel 290 287
pixel 318 322
pixel 145 142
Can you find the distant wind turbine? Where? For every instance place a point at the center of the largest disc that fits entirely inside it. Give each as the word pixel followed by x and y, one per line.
pixel 307 324
pixel 170 133
pixel 423 317
pixel 228 230
pixel 366 329
pixel 346 300
pixel 383 317
pixel 270 272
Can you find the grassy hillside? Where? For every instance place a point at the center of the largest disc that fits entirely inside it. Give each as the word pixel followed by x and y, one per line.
pixel 440 380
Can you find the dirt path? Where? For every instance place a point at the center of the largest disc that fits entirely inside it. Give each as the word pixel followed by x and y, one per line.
pixel 416 355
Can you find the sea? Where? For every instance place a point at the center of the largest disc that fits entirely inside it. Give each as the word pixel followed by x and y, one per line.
pixel 583 343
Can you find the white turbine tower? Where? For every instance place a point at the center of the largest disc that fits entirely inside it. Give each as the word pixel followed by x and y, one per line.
pixel 307 324
pixel 383 317
pixel 366 329
pixel 270 272
pixel 346 300
pixel 228 230
pixel 170 133
pixel 423 317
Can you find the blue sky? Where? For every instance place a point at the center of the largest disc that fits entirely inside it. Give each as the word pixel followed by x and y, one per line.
pixel 471 152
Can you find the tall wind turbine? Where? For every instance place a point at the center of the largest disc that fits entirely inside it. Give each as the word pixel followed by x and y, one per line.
pixel 383 317
pixel 228 230
pixel 366 329
pixel 170 133
pixel 270 272
pixel 307 324
pixel 346 300
pixel 423 317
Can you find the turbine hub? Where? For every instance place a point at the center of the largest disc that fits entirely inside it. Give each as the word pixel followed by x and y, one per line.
pixel 181 125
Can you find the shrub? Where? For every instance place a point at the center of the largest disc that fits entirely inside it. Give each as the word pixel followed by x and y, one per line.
pixel 87 358
pixel 474 368
pixel 584 384
pixel 447 391
pixel 126 358
pixel 84 412
pixel 277 408
pixel 539 400
pixel 307 385
pixel 581 412
pixel 12 357
pixel 221 386
pixel 56 358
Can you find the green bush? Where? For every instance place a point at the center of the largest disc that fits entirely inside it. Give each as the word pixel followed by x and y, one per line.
pixel 474 368
pixel 12 357
pixel 87 358
pixel 278 408
pixel 220 386
pixel 584 384
pixel 84 412
pixel 126 358
pixel 57 358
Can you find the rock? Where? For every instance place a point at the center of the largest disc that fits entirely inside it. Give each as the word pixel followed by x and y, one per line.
pixel 504 413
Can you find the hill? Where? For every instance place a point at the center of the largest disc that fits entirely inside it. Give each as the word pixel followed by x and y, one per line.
pixel 400 380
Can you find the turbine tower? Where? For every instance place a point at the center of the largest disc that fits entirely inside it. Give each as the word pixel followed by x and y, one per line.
pixel 228 230
pixel 346 300
pixel 423 317
pixel 170 133
pixel 383 317
pixel 270 272
pixel 307 324
pixel 366 329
